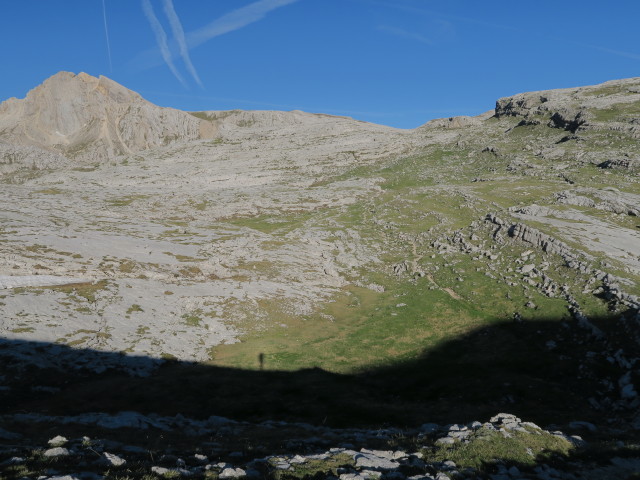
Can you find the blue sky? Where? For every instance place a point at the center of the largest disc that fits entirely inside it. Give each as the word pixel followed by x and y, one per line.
pixel 395 62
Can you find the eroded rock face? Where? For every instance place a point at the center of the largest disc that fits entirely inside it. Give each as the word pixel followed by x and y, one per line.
pixel 622 163
pixel 456 122
pixel 521 105
pixel 569 119
pixel 571 109
pixel 91 118
pixel 15 157
pixel 560 112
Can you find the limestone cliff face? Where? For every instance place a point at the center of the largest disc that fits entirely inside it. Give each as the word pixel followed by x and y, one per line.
pixel 92 119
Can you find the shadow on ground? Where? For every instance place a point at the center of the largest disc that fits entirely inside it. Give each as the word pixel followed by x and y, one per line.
pixel 510 367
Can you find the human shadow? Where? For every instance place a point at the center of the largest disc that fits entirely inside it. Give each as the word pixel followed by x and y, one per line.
pixel 544 371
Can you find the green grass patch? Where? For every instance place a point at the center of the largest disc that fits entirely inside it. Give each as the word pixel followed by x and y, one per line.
pixel 87 291
pixel 282 223
pixel 314 468
pixel 193 319
pixel 360 329
pixel 487 448
pixel 50 191
pixel 134 308
pixel 125 201
pixel 618 112
pixel 202 115
pixel 23 330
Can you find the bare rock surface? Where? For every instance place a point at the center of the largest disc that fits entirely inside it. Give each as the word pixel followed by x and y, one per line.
pixel 157 238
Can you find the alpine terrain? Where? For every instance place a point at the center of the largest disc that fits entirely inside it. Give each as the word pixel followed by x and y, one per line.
pixel 267 294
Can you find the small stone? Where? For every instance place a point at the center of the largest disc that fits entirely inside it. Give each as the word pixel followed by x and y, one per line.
pixel 112 459
pixel 57 441
pixel 504 418
pixel 370 474
pixel 446 441
pixel 351 476
pixel 283 466
pixel 449 464
pixel 56 452
pixel 527 268
pixel 232 473
pixel 397 455
pixel 369 460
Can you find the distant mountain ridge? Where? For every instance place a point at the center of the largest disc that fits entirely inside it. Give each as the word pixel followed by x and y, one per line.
pixel 94 119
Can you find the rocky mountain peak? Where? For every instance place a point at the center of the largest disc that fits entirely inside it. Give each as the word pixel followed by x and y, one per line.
pixel 99 88
pixel 91 118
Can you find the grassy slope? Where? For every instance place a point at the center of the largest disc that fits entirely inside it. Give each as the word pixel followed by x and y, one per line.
pixel 426 197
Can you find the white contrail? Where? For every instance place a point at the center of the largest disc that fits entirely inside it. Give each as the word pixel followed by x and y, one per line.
pixel 234 20
pixel 399 32
pixel 161 38
pixel 106 33
pixel 178 33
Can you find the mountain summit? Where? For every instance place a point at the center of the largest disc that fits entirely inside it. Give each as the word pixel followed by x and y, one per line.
pixel 92 118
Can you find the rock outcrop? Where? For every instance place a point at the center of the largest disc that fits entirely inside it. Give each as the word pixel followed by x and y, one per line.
pixel 571 109
pixel 456 122
pixel 15 157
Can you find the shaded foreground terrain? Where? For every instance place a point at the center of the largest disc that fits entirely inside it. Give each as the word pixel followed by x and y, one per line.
pixel 412 414
pixel 546 371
